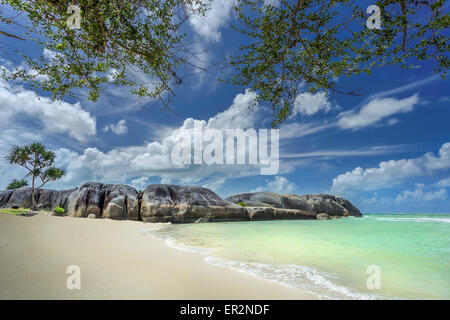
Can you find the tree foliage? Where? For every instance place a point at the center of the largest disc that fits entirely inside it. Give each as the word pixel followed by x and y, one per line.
pixel 310 43
pixel 294 44
pixel 38 162
pixel 135 43
pixel 15 184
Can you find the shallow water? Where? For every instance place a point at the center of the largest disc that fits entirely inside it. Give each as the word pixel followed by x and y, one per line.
pixel 330 258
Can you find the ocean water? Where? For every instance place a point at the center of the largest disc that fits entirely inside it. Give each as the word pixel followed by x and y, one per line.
pixel 331 258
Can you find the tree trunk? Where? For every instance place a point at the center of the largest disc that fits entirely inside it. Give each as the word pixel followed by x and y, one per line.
pixel 33 203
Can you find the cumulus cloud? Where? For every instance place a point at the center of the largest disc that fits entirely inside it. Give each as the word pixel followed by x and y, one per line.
pixel 215 184
pixel 140 183
pixel 420 194
pixel 392 172
pixel 375 111
pixel 444 182
pixel 278 184
pixel 56 117
pixel 120 128
pixel 216 17
pixel 309 104
pixel 154 159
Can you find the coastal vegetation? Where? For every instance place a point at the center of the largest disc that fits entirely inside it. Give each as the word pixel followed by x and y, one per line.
pixel 38 161
pixel 290 46
pixel 14 212
pixel 179 204
pixel 58 210
pixel 17 184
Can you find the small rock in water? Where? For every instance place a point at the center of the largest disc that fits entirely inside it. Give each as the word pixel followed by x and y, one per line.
pixel 201 220
pixel 91 216
pixel 323 216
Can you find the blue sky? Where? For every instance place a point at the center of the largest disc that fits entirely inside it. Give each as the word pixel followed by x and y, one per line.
pixel 387 150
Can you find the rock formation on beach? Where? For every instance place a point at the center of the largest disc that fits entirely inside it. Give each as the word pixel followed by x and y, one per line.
pixel 312 203
pixel 179 204
pixel 171 203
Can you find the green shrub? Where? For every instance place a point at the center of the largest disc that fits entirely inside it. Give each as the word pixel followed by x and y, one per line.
pixel 15 184
pixel 59 210
pixel 242 204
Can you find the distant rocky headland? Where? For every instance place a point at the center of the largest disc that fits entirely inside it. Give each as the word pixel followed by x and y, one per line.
pixel 179 204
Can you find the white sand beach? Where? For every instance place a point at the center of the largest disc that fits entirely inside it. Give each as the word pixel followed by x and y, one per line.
pixel 117 261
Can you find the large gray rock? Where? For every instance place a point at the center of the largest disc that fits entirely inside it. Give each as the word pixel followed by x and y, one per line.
pixel 45 199
pixel 332 205
pixel 178 204
pixel 258 199
pixel 50 199
pixel 21 197
pixel 183 204
pixel 104 201
pixel 268 213
pixel 121 202
pixel 293 201
pixel 4 198
pixel 85 200
pixel 313 203
pixel 323 216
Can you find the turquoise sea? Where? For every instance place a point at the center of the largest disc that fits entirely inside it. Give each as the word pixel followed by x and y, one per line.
pixel 331 258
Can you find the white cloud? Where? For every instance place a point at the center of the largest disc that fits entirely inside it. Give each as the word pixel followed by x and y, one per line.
pixel 376 200
pixel 311 103
pixel 375 111
pixel 120 128
pixel 298 130
pixel 444 182
pixel 56 117
pixel 215 184
pixel 215 18
pixel 239 115
pixel 154 159
pixel 140 183
pixel 377 150
pixel 392 172
pixel 420 194
pixel 279 184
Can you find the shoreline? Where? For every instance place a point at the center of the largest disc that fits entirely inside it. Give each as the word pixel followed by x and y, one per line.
pixel 117 260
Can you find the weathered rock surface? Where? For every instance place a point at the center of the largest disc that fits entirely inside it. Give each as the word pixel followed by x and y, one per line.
pixel 269 213
pixel 182 204
pixel 323 216
pixel 313 203
pixel 45 199
pixel 258 199
pixel 104 201
pixel 179 204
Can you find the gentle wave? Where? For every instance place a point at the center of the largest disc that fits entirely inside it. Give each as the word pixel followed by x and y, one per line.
pixel 300 277
pixel 296 276
pixel 423 219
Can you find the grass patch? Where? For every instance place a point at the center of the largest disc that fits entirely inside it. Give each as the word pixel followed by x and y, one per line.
pixel 14 212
